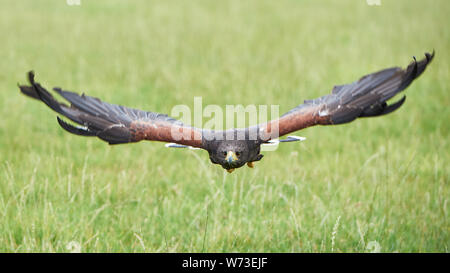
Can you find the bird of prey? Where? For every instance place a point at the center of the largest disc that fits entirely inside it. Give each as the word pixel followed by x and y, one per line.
pixel 230 148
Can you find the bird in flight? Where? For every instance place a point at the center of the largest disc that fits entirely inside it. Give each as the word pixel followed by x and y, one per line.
pixel 232 148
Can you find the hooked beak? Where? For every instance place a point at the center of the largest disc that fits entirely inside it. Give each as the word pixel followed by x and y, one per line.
pixel 231 157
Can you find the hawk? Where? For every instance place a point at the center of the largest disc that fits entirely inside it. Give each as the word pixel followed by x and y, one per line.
pixel 232 148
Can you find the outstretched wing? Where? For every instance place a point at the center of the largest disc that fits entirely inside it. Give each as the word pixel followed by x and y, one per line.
pixel 112 123
pixel 364 98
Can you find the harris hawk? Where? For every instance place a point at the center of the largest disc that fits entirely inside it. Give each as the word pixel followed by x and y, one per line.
pixel 232 148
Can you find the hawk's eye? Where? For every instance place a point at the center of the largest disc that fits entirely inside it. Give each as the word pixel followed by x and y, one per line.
pixel 238 153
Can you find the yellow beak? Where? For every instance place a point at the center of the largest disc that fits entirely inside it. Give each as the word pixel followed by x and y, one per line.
pixel 231 156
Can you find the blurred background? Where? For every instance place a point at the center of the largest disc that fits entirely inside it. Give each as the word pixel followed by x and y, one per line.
pixel 377 184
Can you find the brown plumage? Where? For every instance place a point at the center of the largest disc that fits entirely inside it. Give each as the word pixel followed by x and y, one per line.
pixel 117 124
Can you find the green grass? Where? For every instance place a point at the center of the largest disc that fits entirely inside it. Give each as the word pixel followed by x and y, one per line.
pixel 386 179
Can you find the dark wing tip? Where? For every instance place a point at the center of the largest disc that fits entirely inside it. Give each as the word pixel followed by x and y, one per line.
pixel 415 69
pixel 29 90
pixel 382 109
pixel 394 106
pixel 429 56
pixel 31 76
pixel 75 130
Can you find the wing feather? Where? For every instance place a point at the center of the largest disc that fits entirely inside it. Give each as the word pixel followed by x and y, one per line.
pixel 366 97
pixel 112 123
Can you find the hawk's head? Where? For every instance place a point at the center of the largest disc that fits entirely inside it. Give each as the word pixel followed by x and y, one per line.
pixel 232 154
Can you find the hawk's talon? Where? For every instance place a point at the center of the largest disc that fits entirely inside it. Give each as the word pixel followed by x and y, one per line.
pixel 230 170
pixel 250 164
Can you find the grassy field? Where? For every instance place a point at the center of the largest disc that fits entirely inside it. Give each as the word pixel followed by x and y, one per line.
pixel 373 185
